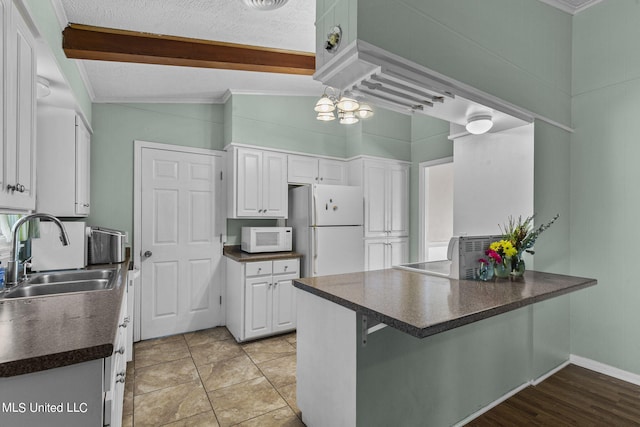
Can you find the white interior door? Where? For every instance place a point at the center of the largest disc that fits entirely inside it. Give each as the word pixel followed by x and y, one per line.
pixel 181 253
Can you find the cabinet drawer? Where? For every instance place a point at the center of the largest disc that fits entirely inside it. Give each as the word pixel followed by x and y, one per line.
pixel 285 266
pixel 258 268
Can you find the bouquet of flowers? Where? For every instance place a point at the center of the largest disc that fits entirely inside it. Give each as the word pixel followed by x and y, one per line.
pixel 521 233
pixel 505 256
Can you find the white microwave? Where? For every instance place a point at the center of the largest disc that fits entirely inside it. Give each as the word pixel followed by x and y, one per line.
pixel 266 239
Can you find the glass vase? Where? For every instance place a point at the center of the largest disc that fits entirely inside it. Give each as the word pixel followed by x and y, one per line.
pixel 517 266
pixel 502 269
pixel 485 272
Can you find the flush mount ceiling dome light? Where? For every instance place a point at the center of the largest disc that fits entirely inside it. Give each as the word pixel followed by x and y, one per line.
pixel 479 124
pixel 349 110
pixel 265 4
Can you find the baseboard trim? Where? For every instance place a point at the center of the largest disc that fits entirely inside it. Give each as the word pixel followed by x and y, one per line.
pixel 491 405
pixel 510 394
pixel 605 369
pixel 550 373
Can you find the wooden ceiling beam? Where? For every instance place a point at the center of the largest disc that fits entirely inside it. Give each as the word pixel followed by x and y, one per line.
pixel 107 44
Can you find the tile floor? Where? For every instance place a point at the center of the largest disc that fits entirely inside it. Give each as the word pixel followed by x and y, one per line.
pixel 205 378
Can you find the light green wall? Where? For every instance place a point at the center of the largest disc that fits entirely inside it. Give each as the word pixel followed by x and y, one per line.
pixel 517 50
pixel 438 380
pixel 45 19
pixel 285 122
pixel 116 126
pixel 605 205
pixel 428 142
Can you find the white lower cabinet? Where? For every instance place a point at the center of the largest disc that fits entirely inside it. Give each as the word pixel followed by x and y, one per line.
pixel 385 253
pixel 115 372
pixel 261 297
pixel 83 394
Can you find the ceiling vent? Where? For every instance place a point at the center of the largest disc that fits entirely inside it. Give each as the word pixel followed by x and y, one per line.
pixel 265 4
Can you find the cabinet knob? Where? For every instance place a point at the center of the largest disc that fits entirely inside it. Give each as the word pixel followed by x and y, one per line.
pixel 86 205
pixel 119 351
pixel 321 179
pixel 121 380
pixel 125 323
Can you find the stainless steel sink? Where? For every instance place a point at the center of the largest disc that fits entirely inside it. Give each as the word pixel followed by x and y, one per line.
pixel 69 276
pixel 63 282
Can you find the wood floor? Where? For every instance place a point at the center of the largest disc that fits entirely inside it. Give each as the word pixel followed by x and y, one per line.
pixel 572 397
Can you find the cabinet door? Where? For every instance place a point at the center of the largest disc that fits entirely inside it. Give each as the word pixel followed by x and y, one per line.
pixel 375 189
pixel 333 172
pixel 249 176
pixel 83 159
pixel 398 201
pixel 302 170
pixel 284 303
pixel 257 321
pixel 398 251
pixel 20 102
pixel 274 185
pixel 375 254
pixel 4 91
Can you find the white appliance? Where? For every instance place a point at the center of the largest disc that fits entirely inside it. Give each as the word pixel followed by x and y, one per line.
pixel 327 228
pixel 47 252
pixel 265 239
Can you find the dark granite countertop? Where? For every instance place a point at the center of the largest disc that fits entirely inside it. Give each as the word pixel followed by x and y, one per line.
pixel 423 305
pixel 236 254
pixel 48 332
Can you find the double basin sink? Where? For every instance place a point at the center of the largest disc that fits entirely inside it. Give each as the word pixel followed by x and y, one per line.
pixel 62 282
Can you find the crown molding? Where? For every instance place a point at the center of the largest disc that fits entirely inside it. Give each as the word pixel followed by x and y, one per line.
pixel 570 6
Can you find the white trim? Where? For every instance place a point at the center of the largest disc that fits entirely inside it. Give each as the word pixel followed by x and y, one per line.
pixel 150 100
pixel 491 405
pixel 567 7
pixel 377 158
pixel 137 211
pixel 551 372
pixel 316 93
pixel 511 393
pixel 605 369
pixel 422 213
pixel 198 100
pixel 319 156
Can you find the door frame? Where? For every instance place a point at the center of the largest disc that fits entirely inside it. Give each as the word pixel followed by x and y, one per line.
pixel 422 202
pixel 221 209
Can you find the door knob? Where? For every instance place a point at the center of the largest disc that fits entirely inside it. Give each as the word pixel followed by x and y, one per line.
pixel 147 254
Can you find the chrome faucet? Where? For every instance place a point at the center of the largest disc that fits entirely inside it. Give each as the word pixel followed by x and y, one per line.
pixel 11 278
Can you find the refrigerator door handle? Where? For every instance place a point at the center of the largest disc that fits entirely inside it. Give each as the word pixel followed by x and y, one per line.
pixel 315 251
pixel 314 220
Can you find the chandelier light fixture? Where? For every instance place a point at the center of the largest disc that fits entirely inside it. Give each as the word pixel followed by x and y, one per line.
pixel 265 4
pixel 348 110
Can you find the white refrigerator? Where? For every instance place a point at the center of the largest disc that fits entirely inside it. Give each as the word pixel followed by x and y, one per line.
pixel 327 228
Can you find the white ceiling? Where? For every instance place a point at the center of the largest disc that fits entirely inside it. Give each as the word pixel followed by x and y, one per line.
pixel 291 27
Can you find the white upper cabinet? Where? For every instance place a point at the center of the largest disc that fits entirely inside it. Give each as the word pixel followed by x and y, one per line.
pixel 258 184
pixel 386 196
pixel 18 76
pixel 63 140
pixel 313 170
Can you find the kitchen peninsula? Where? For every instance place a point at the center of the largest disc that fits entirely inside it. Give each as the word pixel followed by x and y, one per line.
pixel 437 362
